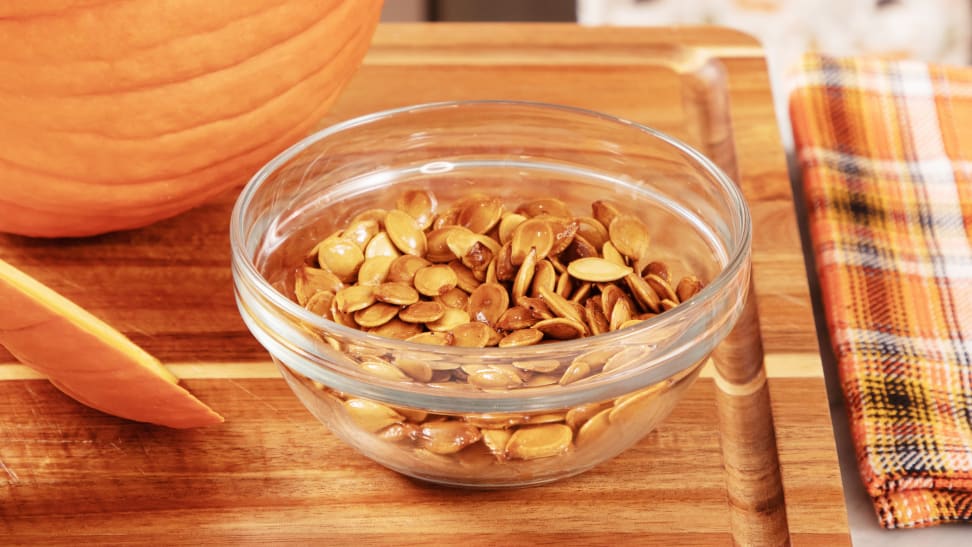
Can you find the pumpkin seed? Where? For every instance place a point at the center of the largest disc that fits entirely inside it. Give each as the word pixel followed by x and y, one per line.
pixel 488 302
pixel 451 318
pixel 435 280
pixel 374 271
pixel 320 304
pixel 494 377
pixel 341 318
pixel 383 370
pixel 560 306
pixel 381 245
pixel 416 369
pixel 536 306
pixel 524 276
pixel 402 269
pixel 375 315
pixel 578 416
pixel 412 414
pixel 592 231
pixel 533 233
pixel 561 328
pixel 496 440
pixel 595 317
pixel 658 268
pixel 437 244
pixel 540 380
pixel 522 337
pixel 595 430
pixel 581 292
pixel 629 323
pixel 404 233
pixel 643 292
pixel 507 224
pixel 422 312
pixel 445 218
pixel 541 441
pixel 620 314
pixel 626 358
pixel 310 281
pixel 432 338
pixel 579 248
pixel 480 215
pixel 604 212
pixel 471 335
pixel 577 370
pixel 667 304
pixel 398 329
pixel 610 253
pixel 354 298
pixel 454 298
pixel 447 437
pixel 341 257
pixel 544 276
pixel 361 232
pixel 465 279
pixel 396 293
pixel 610 294
pixel 597 269
pixel 544 206
pixel 630 236
pixel 516 318
pixel 420 205
pixel 661 287
pixel 564 286
pixel 638 406
pixel 378 215
pixel 398 433
pixel 564 230
pixel 371 416
pixel 688 287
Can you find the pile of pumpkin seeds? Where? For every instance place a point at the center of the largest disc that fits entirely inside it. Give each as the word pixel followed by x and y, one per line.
pixel 479 274
pixel 476 274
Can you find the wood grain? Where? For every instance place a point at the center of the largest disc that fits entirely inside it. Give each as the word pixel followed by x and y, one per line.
pixel 272 473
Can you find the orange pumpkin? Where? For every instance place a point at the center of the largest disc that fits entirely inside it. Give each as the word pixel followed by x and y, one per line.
pixel 117 113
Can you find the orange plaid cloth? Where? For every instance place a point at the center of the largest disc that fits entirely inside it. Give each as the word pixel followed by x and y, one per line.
pixel 885 149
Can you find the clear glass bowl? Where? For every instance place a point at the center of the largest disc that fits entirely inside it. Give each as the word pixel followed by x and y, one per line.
pixel 448 434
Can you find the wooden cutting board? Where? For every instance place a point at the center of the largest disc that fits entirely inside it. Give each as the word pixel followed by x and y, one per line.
pixel 272 473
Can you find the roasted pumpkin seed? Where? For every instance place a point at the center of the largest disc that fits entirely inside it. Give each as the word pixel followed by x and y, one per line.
pixel 397 293
pixel 376 315
pixel 435 280
pixel 471 335
pixel 522 337
pixel 488 303
pixel 422 312
pixel 541 441
pixel 597 270
pixel 341 257
pixel 420 205
pixel 404 233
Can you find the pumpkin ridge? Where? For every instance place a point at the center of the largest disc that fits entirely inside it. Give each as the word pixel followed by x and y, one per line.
pixel 168 179
pixel 274 99
pixel 60 11
pixel 204 71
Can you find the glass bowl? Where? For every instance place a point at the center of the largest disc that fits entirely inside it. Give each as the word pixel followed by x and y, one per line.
pixel 451 432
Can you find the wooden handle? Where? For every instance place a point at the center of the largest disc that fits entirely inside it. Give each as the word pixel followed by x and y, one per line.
pixel 757 510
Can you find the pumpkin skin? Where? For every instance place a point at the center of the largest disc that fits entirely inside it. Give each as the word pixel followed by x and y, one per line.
pixel 118 113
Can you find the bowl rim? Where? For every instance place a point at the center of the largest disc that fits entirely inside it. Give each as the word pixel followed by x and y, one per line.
pixel 738 250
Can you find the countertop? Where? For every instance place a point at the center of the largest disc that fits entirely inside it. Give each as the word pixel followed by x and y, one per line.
pixel 271 473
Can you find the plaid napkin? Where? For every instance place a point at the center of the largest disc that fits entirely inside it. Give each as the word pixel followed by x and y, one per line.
pixel 886 154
